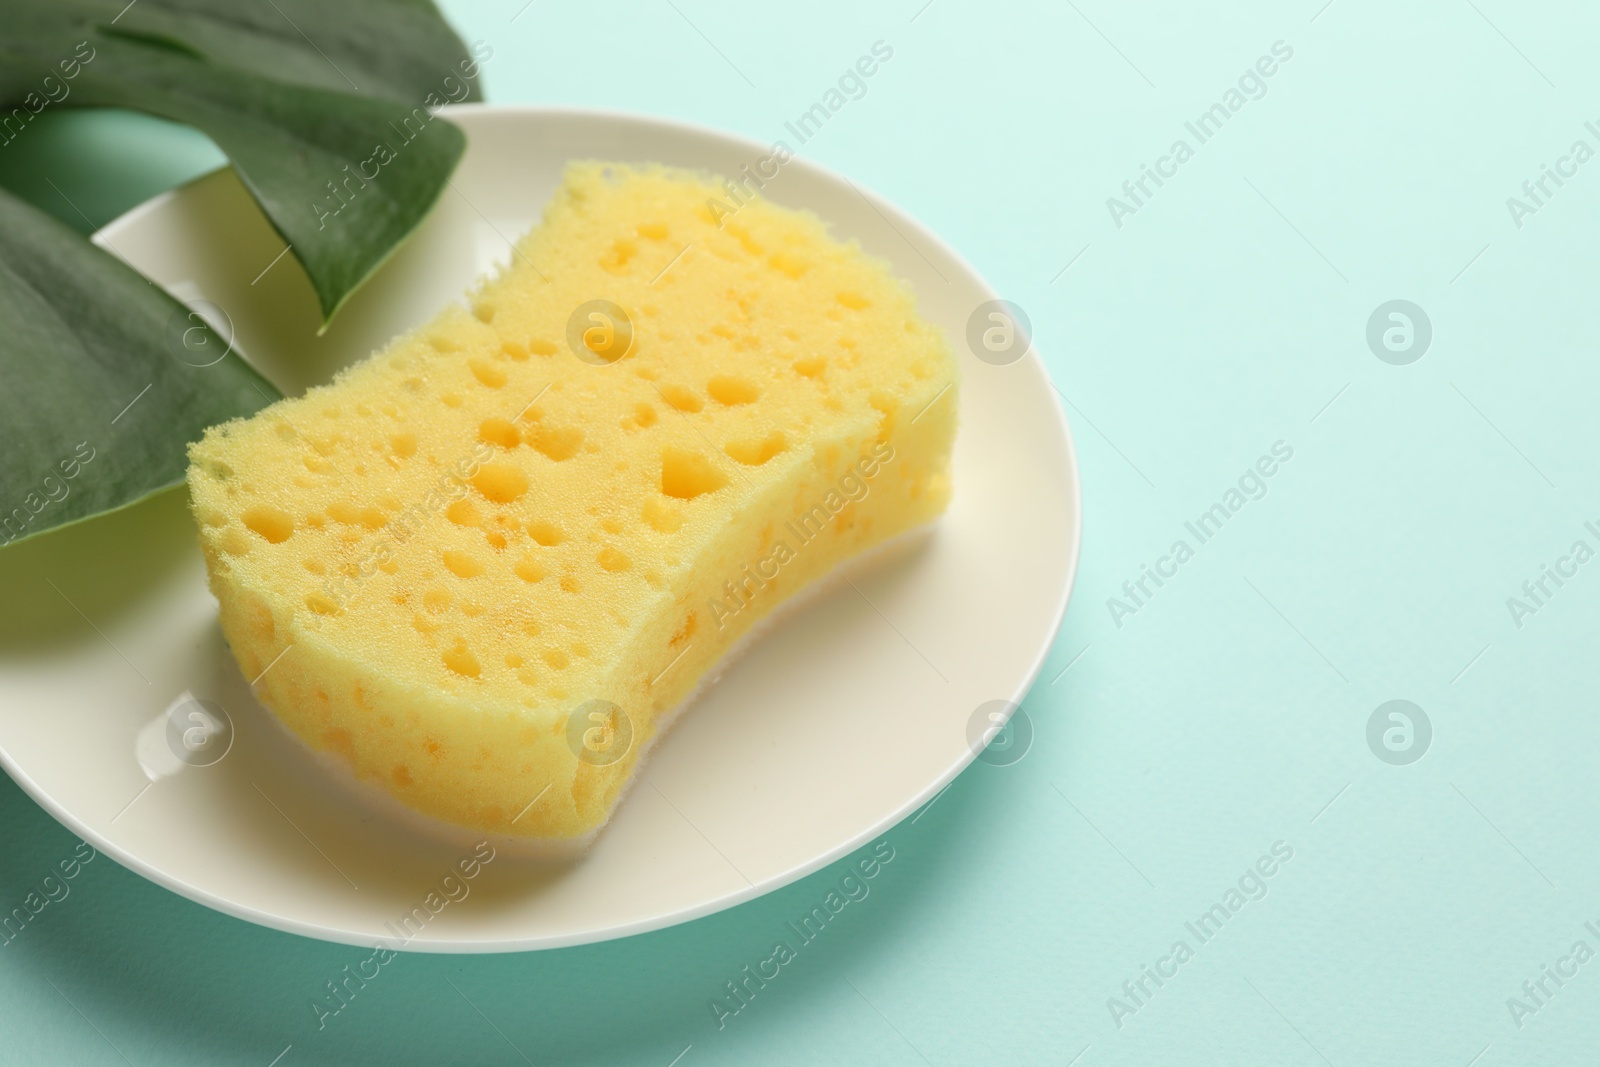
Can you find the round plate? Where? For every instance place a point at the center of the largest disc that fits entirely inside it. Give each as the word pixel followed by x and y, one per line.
pixel 840 721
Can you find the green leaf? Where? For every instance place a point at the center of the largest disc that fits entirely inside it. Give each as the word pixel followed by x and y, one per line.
pixel 101 378
pixel 395 49
pixel 324 108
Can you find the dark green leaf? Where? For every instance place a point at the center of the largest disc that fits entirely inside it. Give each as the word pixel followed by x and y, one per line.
pixel 324 108
pixel 396 49
pixel 104 378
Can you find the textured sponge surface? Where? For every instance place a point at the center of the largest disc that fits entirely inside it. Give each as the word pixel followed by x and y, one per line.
pixel 568 497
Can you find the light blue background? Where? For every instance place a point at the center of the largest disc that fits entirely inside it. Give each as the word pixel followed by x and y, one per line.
pixel 1226 715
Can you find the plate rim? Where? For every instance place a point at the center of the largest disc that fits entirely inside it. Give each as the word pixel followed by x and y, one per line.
pixel 103 237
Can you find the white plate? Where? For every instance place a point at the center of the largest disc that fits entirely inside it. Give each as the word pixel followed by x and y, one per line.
pixel 838 723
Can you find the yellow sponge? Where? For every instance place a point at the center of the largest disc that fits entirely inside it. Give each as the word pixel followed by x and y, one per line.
pixel 483 565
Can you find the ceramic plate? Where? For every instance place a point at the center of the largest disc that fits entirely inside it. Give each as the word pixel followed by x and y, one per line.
pixel 839 722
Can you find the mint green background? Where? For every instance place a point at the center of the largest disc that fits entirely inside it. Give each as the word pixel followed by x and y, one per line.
pixel 1219 719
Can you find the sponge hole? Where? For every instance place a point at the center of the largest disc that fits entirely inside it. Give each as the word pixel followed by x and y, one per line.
pixel 321 604
pixel 787 263
pixel 810 367
pixel 661 517
pixel 499 432
pixel 887 409
pixel 746 240
pixel 681 398
pixel 545 533
pixel 462 564
pixel 342 511
pixel 686 475
pixel 615 259
pixel 732 391
pixel 755 453
pixel 487 373
pixel 460 659
pixel 555 442
pixel 500 482
pixel 273 524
